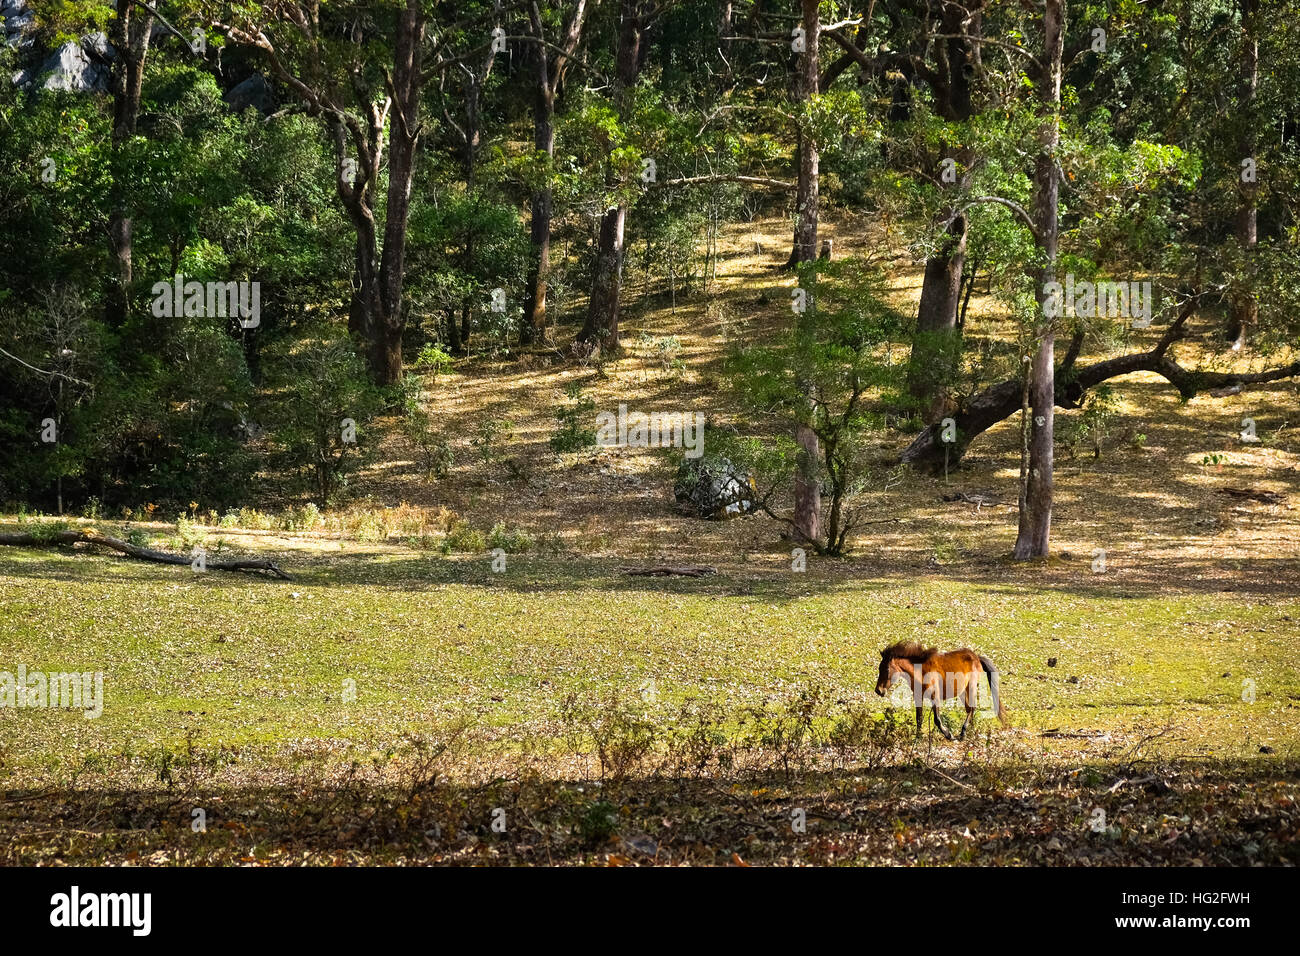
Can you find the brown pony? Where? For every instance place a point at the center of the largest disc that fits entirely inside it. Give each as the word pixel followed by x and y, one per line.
pixel 937 677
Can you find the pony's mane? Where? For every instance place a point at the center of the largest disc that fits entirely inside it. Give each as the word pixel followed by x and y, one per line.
pixel 914 651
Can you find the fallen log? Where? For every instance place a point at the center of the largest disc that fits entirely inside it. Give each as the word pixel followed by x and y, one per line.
pixel 1267 497
pixel 664 570
pixel 1001 401
pixel 979 499
pixel 135 551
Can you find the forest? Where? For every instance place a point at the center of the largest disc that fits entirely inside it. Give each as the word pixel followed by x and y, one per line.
pixel 420 416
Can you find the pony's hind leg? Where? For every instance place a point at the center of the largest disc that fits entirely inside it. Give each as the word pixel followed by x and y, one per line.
pixel 961 734
pixel 971 700
pixel 920 715
pixel 938 721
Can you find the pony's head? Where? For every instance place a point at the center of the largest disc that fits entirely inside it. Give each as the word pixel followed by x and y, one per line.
pixel 894 660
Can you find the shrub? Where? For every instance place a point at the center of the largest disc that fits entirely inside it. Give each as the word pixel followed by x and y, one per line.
pixel 576 420
pixel 322 402
pixel 432 449
pixel 488 435
pixel 461 537
pixel 304 518
pixel 508 541
pixel 433 360
pixel 599 821
pixel 189 534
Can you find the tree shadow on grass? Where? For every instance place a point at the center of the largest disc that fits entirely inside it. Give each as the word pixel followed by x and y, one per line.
pixel 1179 813
pixel 1155 572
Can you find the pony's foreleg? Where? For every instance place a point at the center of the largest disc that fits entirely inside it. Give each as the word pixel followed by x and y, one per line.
pixel 918 699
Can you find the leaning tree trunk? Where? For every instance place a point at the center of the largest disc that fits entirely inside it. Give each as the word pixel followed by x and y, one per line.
pixel 1034 533
pixel 1001 401
pixel 936 344
pixel 936 349
pixel 1244 309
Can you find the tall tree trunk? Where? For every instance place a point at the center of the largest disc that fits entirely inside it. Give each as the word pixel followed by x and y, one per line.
pixel 807 479
pixel 539 230
pixel 363 267
pixel 1035 526
pixel 806 204
pixel 453 331
pixel 366 319
pixel 376 308
pixel 403 137
pixel 129 35
pixel 601 324
pixel 807 487
pixel 550 73
pixel 1244 308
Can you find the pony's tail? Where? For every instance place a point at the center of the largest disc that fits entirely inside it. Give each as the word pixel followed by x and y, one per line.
pixel 995 681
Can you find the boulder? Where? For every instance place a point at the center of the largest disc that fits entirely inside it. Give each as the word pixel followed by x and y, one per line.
pixel 18 18
pixel 98 47
pixel 714 488
pixel 73 66
pixel 254 92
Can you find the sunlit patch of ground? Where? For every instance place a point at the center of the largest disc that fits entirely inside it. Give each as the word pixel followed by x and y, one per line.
pixel 1154 501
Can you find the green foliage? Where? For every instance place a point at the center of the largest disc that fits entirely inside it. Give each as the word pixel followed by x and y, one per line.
pixel 322 402
pixel 576 419
pixel 489 433
pixel 509 541
pixel 460 249
pixel 461 537
pixel 433 450
pixel 434 360
pixel 1092 425
pixel 836 373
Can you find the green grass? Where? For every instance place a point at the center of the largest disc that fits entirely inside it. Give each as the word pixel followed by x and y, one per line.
pixel 258 663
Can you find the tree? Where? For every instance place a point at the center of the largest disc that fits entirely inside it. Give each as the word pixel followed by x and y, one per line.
pixel 471 88
pixel 1001 401
pixel 551 65
pixel 1039 398
pixel 936 345
pixel 601 324
pixel 338 81
pixel 322 406
pixel 827 377
pixel 129 33
pixel 1244 311
pixel 806 88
